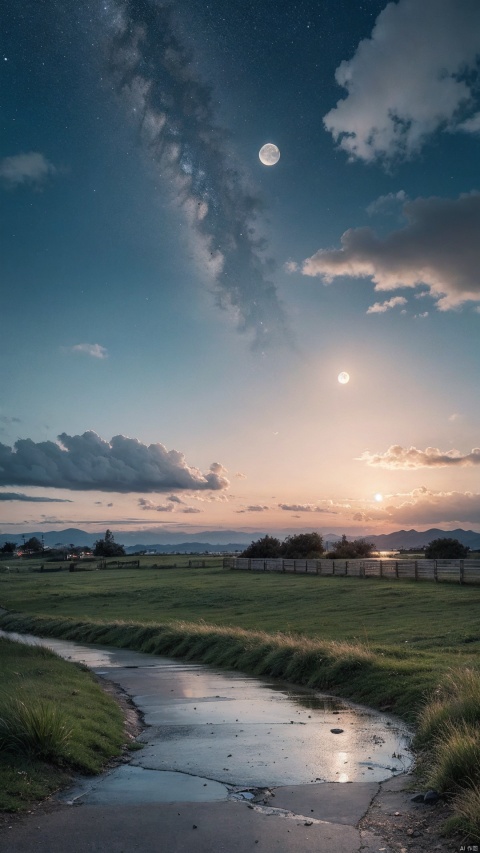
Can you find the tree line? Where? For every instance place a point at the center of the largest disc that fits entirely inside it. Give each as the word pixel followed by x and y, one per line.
pixel 309 546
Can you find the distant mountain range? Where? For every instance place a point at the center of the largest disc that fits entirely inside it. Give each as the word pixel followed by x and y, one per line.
pixel 417 539
pixel 231 540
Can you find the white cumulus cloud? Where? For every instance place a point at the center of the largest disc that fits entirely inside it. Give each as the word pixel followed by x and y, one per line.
pixel 94 350
pixel 382 307
pixel 416 74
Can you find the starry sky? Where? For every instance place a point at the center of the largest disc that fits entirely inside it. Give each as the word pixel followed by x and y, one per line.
pixel 175 314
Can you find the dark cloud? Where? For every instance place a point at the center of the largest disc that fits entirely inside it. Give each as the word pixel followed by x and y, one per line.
pixel 438 247
pixel 5 419
pixel 173 109
pixel 254 508
pixel 15 496
pixel 303 508
pixel 87 462
pixel 146 504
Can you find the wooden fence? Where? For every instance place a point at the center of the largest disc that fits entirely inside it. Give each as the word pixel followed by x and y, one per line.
pixel 460 571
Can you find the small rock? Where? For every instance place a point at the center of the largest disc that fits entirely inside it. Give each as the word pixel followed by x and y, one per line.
pixel 431 797
pixel 308 823
pixel 194 826
pixel 336 731
pixel 418 798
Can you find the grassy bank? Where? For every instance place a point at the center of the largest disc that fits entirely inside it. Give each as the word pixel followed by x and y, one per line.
pixel 54 719
pixel 391 644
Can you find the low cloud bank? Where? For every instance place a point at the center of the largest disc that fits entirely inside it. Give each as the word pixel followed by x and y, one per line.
pixel 409 457
pixel 87 462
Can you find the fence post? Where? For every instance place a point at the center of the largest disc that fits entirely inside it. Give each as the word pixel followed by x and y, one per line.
pixel 346 568
pixel 396 568
pixel 264 565
pixel 435 577
pixel 294 565
pixel 381 569
pixel 283 565
pixel 333 567
pixel 461 568
pixel 250 563
pixel 415 575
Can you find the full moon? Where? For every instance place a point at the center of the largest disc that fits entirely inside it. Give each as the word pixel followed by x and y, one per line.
pixel 343 378
pixel 269 154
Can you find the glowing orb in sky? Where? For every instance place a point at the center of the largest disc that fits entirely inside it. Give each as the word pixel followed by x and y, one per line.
pixel 378 497
pixel 269 154
pixel 343 378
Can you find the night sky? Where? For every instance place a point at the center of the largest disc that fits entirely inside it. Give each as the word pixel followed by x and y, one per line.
pixel 175 314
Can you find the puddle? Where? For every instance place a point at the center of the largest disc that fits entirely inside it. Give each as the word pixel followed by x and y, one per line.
pixel 204 724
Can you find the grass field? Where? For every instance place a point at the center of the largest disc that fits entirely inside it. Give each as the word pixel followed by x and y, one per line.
pixel 422 615
pixel 54 719
pixel 386 643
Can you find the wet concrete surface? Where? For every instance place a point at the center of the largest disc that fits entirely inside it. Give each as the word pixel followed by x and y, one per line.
pixel 210 731
pixel 132 785
pixel 232 763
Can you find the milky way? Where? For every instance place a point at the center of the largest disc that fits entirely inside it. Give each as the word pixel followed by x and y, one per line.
pixel 172 109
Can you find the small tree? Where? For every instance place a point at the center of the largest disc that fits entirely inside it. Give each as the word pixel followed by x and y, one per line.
pixel 34 544
pixel 108 547
pixel 302 546
pixel 9 548
pixel 446 549
pixel 267 547
pixel 345 550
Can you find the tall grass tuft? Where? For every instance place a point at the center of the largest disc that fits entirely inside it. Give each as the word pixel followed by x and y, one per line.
pixel 36 731
pixel 455 758
pixel 456 700
pixel 467 808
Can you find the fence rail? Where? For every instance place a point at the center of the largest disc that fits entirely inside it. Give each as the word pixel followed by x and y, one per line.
pixel 460 571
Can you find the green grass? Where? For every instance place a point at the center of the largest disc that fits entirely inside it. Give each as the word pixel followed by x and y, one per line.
pixel 392 644
pixel 54 719
pixel 33 729
pixel 375 612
